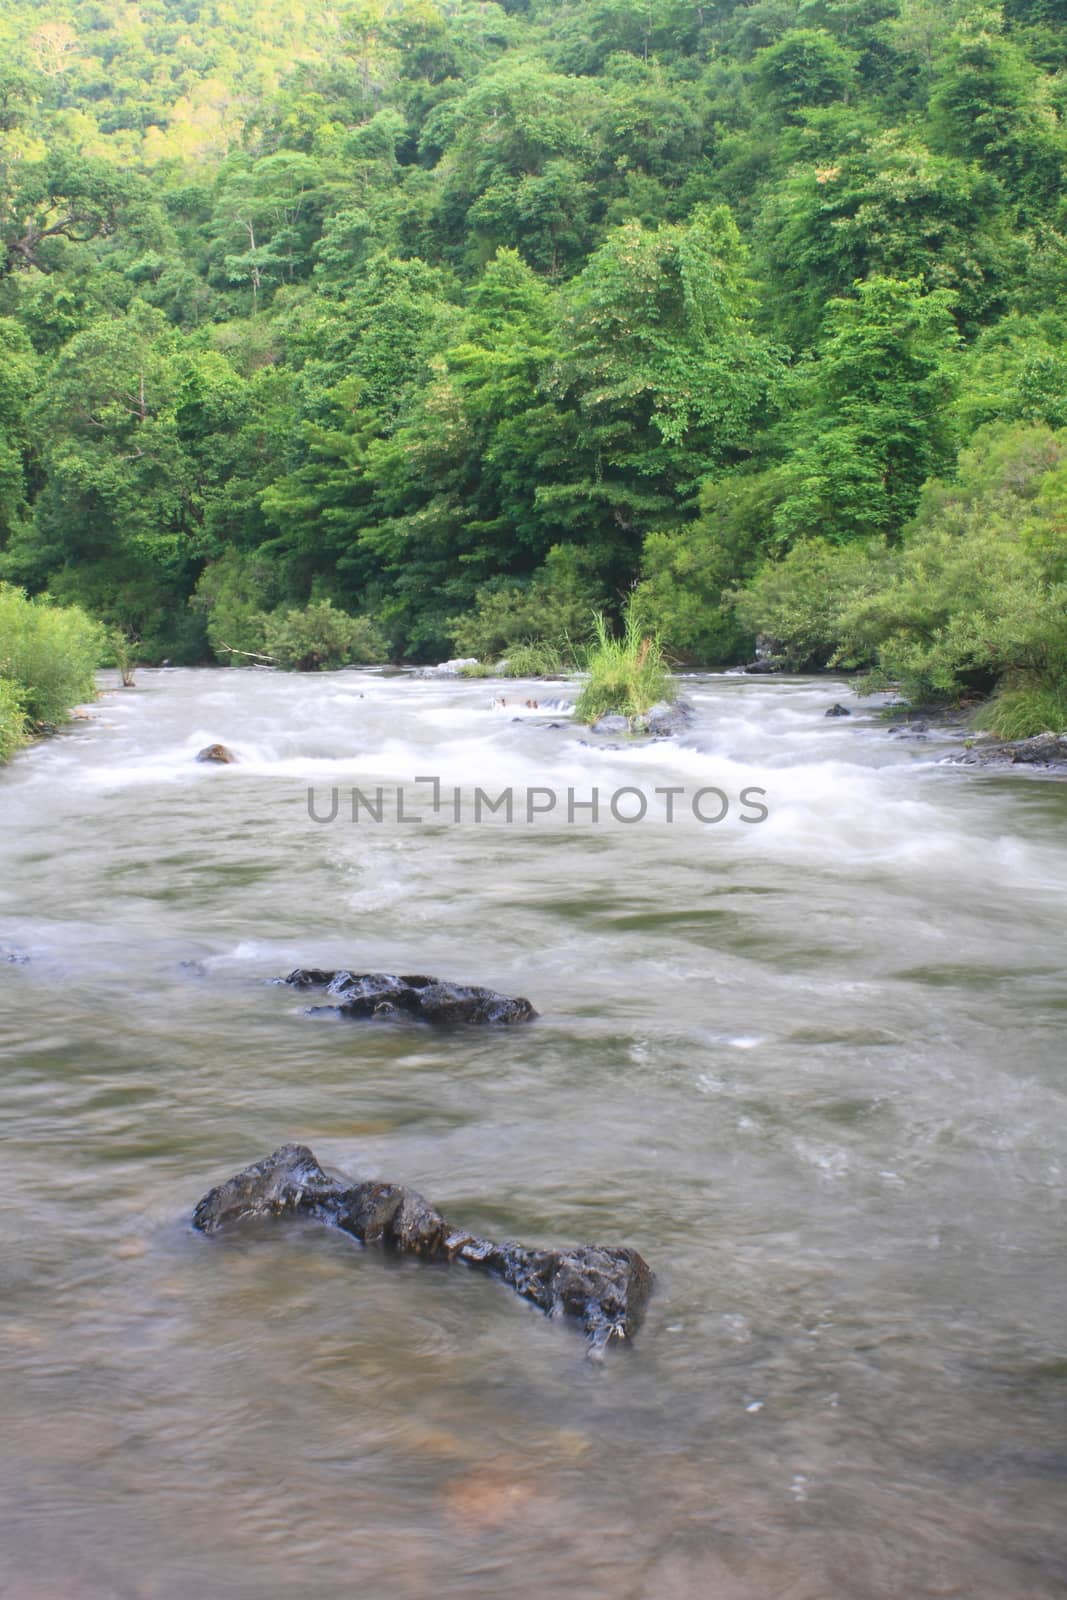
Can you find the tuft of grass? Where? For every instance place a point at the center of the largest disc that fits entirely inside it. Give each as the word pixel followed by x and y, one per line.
pixel 534 658
pixel 1018 713
pixel 538 658
pixel 628 674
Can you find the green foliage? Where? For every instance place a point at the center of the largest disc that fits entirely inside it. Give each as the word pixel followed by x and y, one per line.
pixel 12 719
pixel 540 659
pixel 688 575
pixel 875 425
pixel 801 601
pixel 551 613
pixel 395 303
pixel 974 596
pixel 48 658
pixel 807 67
pixel 628 674
pixel 1020 712
pixel 977 593
pixel 235 593
pixel 320 637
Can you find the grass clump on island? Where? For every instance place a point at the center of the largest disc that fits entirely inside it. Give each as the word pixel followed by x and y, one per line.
pixel 48 659
pixel 628 673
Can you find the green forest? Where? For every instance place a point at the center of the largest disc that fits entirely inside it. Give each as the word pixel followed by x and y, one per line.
pixel 421 327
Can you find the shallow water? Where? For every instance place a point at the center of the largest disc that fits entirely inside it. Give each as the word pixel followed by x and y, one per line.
pixel 812 1067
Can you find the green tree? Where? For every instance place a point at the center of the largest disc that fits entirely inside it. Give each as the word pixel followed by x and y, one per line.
pixel 874 406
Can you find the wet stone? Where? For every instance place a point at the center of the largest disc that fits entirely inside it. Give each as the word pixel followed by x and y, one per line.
pixel 603 1288
pixel 382 994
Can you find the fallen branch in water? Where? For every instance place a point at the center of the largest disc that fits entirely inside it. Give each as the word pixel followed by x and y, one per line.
pixel 257 654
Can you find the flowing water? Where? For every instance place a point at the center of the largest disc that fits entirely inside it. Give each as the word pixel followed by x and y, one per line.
pixel 812 1067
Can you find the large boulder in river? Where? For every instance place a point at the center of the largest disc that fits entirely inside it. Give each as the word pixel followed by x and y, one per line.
pixel 1048 750
pixel 381 994
pixel 217 753
pixel 604 1288
pixel 665 719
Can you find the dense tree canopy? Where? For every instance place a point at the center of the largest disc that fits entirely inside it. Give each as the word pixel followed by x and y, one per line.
pixel 458 314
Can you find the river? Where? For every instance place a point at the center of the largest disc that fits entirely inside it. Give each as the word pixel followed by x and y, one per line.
pixel 812 1067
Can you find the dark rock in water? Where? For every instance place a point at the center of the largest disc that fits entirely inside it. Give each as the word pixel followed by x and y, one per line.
pixel 217 752
pixel 1041 750
pixel 661 721
pixel 380 994
pixel 665 719
pixel 604 1288
pixel 837 711
pixel 760 666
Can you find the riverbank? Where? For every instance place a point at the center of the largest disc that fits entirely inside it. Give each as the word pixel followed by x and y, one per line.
pixel 48 661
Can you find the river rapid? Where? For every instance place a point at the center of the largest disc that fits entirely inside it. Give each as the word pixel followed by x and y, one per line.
pixel 812 1067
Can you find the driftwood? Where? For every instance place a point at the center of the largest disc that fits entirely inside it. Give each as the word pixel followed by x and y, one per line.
pixel 603 1288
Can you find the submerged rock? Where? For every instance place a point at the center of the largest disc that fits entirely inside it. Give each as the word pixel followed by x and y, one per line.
pixel 837 711
pixel 218 753
pixel 380 994
pixel 604 1288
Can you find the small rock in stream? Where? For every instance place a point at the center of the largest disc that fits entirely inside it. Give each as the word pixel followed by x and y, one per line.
pixel 837 711
pixel 217 753
pixel 604 1288
pixel 381 994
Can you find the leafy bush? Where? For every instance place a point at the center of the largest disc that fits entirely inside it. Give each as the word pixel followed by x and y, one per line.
pixel 49 652
pixel 975 595
pixel 321 637
pixel 627 675
pixel 550 610
pixel 687 574
pixel 801 601
pixel 12 719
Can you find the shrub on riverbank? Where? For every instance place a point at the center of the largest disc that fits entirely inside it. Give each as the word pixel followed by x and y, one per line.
pixel 973 599
pixel 48 658
pixel 628 674
pixel 538 618
pixel 12 719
